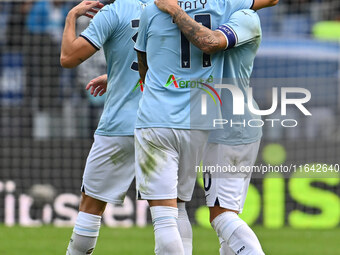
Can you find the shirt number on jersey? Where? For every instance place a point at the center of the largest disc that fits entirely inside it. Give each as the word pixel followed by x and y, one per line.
pixel 205 20
pixel 134 24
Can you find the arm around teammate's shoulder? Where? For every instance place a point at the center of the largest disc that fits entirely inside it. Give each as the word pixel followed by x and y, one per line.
pixel 74 50
pixel 205 39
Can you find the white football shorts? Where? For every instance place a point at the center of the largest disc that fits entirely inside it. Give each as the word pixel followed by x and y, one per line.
pixel 226 177
pixel 165 162
pixel 109 168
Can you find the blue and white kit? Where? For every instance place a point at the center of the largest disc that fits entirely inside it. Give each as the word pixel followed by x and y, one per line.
pixel 109 168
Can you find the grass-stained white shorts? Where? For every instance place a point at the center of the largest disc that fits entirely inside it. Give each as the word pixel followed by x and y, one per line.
pixel 166 160
pixel 109 168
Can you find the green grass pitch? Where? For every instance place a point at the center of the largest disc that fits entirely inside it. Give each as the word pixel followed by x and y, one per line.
pixel 50 240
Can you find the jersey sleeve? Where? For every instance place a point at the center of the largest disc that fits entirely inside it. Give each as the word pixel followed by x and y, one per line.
pixel 102 26
pixel 241 4
pixel 242 27
pixel 140 44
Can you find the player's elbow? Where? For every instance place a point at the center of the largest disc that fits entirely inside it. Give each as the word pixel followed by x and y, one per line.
pixel 210 49
pixel 214 43
pixel 273 2
pixel 66 62
pixel 212 46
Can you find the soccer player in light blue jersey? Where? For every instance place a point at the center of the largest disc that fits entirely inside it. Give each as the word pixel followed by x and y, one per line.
pixel 163 132
pixel 109 169
pixel 235 145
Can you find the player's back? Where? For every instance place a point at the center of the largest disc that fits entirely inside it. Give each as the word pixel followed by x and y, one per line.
pixel 171 58
pixel 115 29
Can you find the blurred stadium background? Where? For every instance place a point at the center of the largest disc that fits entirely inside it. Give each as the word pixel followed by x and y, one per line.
pixel 48 119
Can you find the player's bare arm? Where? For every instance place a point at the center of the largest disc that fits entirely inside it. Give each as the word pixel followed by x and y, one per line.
pixel 98 85
pixel 259 4
pixel 75 50
pixel 166 5
pixel 203 38
pixel 142 64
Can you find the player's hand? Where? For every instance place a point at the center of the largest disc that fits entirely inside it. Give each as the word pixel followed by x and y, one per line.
pixel 167 5
pixel 87 8
pixel 98 85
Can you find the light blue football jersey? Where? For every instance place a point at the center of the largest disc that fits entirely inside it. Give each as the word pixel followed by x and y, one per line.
pixel 178 71
pixel 243 31
pixel 115 29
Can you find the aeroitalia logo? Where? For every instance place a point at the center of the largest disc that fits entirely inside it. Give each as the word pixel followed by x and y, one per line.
pixel 139 84
pixel 173 80
pixel 199 84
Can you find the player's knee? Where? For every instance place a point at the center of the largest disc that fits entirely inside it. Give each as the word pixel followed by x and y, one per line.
pixel 217 210
pixel 91 205
pixel 164 202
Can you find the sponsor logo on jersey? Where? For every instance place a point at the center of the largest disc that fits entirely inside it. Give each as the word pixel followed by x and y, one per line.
pixel 139 84
pixel 199 84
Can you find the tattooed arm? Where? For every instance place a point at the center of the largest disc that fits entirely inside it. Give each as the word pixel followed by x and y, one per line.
pixel 142 64
pixel 205 39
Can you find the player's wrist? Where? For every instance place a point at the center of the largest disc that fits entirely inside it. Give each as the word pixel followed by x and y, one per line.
pixel 73 14
pixel 173 9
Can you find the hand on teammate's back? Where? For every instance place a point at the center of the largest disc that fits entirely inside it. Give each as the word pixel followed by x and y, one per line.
pixel 98 85
pixel 166 5
pixel 86 8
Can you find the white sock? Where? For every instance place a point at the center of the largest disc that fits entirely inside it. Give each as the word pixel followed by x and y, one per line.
pixel 225 249
pixel 244 242
pixel 184 228
pixel 81 245
pixel 167 238
pixel 238 235
pixel 85 234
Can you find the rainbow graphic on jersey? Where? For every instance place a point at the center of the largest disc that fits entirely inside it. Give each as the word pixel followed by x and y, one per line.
pixel 200 84
pixel 139 84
